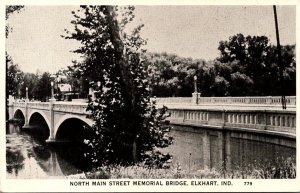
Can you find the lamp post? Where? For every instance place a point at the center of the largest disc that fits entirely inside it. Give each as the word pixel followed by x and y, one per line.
pixel 195 84
pixel 26 93
pixel 195 88
pixel 281 79
pixel 52 90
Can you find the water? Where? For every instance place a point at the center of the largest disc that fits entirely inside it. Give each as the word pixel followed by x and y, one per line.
pixel 194 149
pixel 28 157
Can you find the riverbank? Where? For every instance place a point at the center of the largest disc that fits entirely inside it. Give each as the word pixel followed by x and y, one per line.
pixel 280 169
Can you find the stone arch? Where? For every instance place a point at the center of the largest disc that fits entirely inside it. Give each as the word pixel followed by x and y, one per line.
pixel 66 117
pixel 39 124
pixel 19 114
pixel 43 115
pixel 17 110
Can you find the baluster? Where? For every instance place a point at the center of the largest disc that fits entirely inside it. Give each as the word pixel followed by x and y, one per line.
pixel 293 122
pixel 271 120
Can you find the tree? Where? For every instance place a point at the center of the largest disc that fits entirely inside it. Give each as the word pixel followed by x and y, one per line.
pixel 42 91
pixel 30 81
pixel 171 75
pixel 13 74
pixel 128 126
pixel 8 11
pixel 13 79
pixel 255 70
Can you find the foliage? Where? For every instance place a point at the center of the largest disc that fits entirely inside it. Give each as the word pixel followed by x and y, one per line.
pixel 13 73
pixel 42 91
pixel 8 11
pixel 127 125
pixel 247 66
pixel 30 81
pixel 278 169
pixel 254 66
pixel 171 75
pixel 14 78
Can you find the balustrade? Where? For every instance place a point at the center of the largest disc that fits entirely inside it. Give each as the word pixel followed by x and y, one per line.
pixel 261 120
pixel 19 104
pixel 38 105
pixel 79 108
pixel 256 101
pixel 272 120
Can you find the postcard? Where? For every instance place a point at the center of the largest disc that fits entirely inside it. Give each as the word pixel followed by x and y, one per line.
pixel 152 96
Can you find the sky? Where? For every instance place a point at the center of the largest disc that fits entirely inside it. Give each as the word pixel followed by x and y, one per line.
pixel 188 31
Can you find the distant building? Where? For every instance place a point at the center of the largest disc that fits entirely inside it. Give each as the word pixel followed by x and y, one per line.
pixel 65 88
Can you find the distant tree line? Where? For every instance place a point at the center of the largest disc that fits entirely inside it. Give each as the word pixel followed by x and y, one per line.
pixel 39 85
pixel 247 66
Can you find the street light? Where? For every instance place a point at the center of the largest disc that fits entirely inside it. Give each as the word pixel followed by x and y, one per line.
pixel 52 89
pixel 195 84
pixel 195 88
pixel 26 92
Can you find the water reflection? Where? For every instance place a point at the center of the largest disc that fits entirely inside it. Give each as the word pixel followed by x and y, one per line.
pixel 194 149
pixel 27 157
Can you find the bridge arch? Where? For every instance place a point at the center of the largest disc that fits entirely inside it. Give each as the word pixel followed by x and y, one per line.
pixel 40 124
pixel 42 114
pixel 19 114
pixel 69 120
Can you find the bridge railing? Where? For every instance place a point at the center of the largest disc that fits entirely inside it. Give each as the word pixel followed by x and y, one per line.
pixel 173 100
pixel 19 104
pixel 39 105
pixel 281 122
pixel 79 108
pixel 256 101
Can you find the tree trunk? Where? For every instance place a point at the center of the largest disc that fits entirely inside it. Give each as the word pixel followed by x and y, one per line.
pixel 130 121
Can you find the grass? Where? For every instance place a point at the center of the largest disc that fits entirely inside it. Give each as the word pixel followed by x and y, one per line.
pixel 278 169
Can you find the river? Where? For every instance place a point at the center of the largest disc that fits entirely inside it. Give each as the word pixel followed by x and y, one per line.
pixel 29 158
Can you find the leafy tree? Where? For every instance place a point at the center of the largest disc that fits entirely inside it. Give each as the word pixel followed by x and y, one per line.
pixel 255 70
pixel 42 91
pixel 13 79
pixel 128 127
pixel 171 75
pixel 13 74
pixel 30 81
pixel 8 11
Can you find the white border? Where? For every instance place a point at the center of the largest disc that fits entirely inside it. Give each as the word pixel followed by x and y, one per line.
pixel 51 185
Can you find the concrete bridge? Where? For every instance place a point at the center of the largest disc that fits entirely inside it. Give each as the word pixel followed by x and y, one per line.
pixel 250 114
pixel 54 115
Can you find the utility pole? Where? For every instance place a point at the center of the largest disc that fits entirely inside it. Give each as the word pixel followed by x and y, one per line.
pixel 283 101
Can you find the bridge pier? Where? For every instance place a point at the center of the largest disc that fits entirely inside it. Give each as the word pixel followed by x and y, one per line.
pixel 26 121
pixel 51 138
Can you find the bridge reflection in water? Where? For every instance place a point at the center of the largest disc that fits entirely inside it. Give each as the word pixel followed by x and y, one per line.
pixel 29 157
